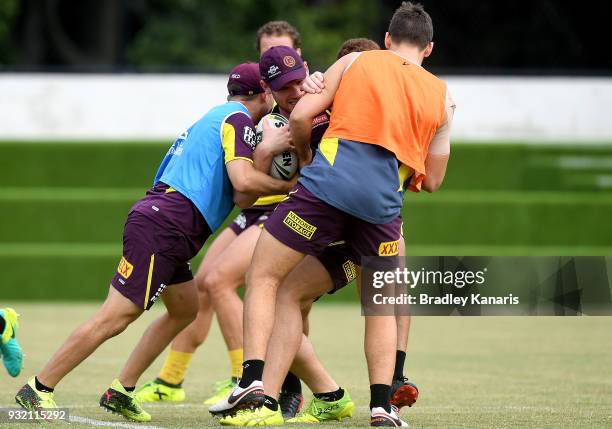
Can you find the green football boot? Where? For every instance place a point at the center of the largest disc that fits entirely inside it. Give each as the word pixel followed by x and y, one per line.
pixel 158 390
pixel 32 399
pixel 119 401
pixel 320 411
pixel 261 416
pixel 10 350
pixel 222 388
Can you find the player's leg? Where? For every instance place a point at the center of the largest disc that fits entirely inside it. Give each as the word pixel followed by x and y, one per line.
pixel 168 384
pixel 181 306
pixel 310 279
pixel 403 331
pixel 221 282
pixel 291 399
pixel 309 368
pixel 111 319
pixel 305 312
pixel 313 277
pixel 330 402
pixel 161 260
pixel 302 222
pixel 401 337
pixel 181 309
pixel 380 341
pixel 263 279
pixel 303 285
pixel 403 392
pixel 115 314
pixel 195 334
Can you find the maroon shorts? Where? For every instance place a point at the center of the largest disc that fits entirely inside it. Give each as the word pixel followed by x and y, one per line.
pixel 339 263
pixel 307 224
pixel 255 215
pixel 163 231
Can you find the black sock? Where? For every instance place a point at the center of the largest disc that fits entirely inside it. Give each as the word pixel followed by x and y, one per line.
pixel 330 396
pixel 400 357
pixel 251 370
pixel 271 403
pixel 2 325
pixel 129 389
pixel 41 387
pixel 165 383
pixel 292 384
pixel 379 396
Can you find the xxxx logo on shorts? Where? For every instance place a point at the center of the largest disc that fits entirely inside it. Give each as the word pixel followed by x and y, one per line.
pixel 349 271
pixel 388 248
pixel 125 268
pixel 299 225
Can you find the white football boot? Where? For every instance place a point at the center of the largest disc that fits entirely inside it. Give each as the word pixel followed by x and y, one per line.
pixel 240 399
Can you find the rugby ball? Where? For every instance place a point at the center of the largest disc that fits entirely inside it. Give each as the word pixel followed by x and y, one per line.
pixel 284 165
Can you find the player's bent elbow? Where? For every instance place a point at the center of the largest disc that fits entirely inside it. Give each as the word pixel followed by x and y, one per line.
pixel 242 200
pixel 432 184
pixel 240 184
pixel 243 189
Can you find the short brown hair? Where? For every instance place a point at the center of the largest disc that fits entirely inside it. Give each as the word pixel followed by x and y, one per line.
pixel 411 24
pixel 357 45
pixel 279 28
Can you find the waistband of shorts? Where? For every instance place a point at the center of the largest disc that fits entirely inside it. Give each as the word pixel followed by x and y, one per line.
pixel 259 209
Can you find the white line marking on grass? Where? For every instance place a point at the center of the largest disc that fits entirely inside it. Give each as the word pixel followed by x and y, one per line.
pixel 147 406
pixel 161 405
pixel 94 422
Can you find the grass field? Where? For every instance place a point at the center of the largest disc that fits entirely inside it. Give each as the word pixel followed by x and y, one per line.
pixel 472 372
pixel 63 206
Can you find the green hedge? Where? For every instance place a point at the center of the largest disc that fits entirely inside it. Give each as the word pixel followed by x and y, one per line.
pixel 472 167
pixel 63 205
pixel 447 217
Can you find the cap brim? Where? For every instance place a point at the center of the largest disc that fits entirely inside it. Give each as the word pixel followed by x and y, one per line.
pixel 297 74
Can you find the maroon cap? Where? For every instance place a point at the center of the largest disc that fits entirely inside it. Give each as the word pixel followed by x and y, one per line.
pixel 244 80
pixel 280 65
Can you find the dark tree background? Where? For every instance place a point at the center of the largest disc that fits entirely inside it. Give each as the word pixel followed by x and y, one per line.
pixel 471 36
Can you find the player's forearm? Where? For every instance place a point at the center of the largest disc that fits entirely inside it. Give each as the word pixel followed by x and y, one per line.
pixel 259 184
pixel 435 166
pixel 262 158
pixel 301 127
pixel 256 184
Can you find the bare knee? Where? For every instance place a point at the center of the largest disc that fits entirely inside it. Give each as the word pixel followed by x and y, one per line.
pixel 204 304
pixel 199 279
pixel 218 285
pixel 288 296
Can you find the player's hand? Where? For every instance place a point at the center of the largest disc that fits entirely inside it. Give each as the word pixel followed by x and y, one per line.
pixel 314 83
pixel 276 140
